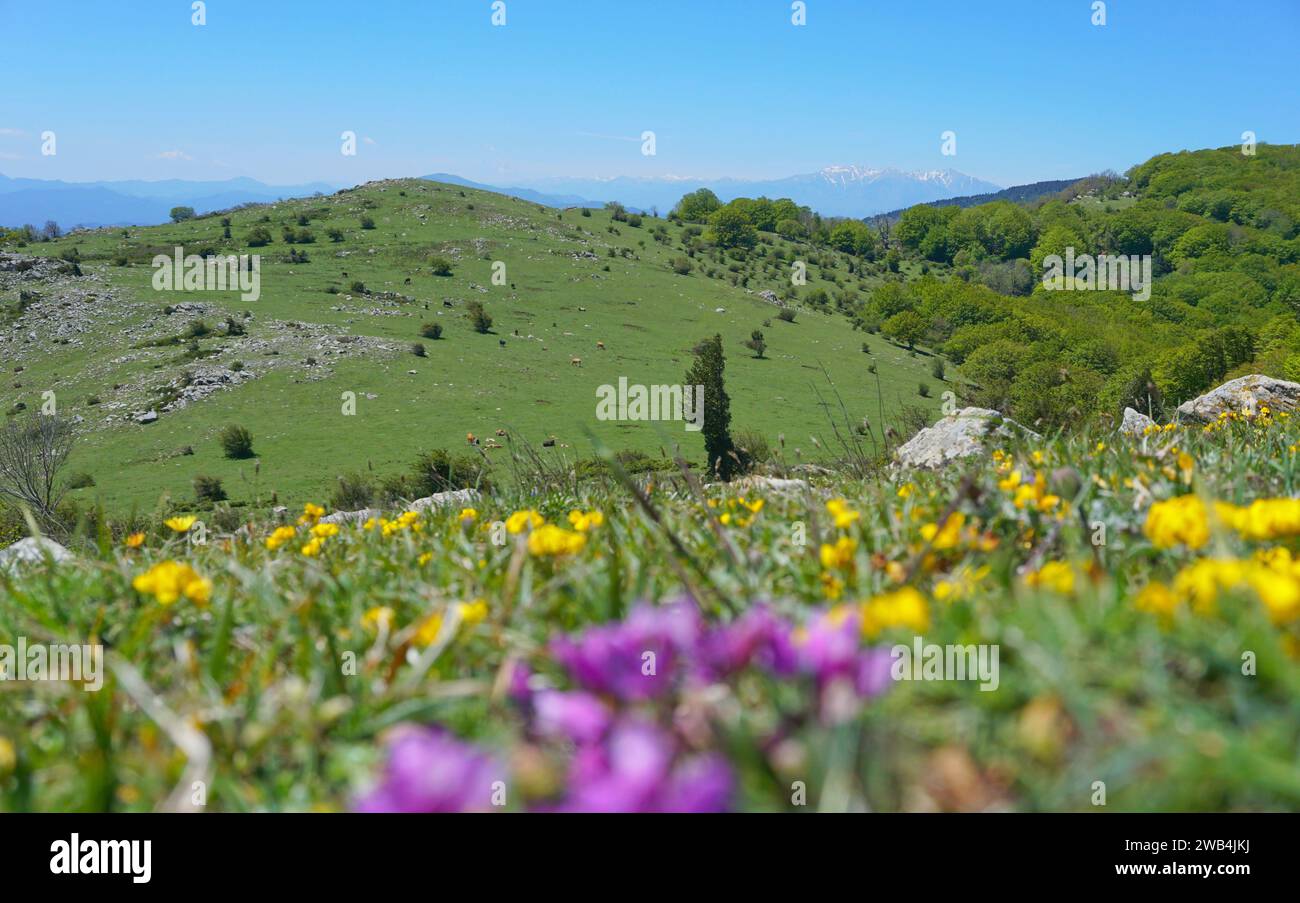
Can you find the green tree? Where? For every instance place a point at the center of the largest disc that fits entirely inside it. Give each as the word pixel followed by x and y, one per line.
pixel 697 206
pixel 707 371
pixel 756 343
pixel 729 228
pixel 180 214
pixel 909 327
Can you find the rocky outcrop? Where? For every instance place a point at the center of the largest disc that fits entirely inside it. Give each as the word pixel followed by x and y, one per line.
pixel 956 436
pixel 32 550
pixel 1135 423
pixel 351 517
pixel 757 482
pixel 460 498
pixel 1244 394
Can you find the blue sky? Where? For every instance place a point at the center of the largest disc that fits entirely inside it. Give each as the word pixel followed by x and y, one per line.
pixel 730 87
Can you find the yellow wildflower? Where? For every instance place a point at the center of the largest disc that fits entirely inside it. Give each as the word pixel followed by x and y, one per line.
pixel 311 513
pixel 583 521
pixel 168 581
pixel 279 537
pixel 468 514
pixel 946 537
pixel 550 540
pixel 1181 520
pixel 839 555
pixel 135 540
pixel 520 521
pixel 379 617
pixel 904 607
pixel 325 531
pixel 841 513
pixel 181 524
pixel 1057 576
pixel 313 547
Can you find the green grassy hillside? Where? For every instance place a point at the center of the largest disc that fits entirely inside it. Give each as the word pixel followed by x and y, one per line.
pixel 571 281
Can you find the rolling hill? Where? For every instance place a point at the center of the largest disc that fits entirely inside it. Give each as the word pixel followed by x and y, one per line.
pixel 111 347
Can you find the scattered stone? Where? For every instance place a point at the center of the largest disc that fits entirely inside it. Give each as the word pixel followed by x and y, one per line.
pixel 1135 423
pixel 32 550
pixel 351 517
pixel 958 435
pixel 756 482
pixel 1246 393
pixel 145 417
pixel 461 498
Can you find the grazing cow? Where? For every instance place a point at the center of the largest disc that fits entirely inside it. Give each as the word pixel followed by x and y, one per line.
pixel 408 280
pixel 501 432
pixel 446 304
pixel 548 443
pixel 575 361
pixel 471 439
pixel 502 342
pixel 600 345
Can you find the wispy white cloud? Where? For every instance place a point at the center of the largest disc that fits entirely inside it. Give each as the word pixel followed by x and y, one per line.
pixel 13 133
pixel 174 155
pixel 368 140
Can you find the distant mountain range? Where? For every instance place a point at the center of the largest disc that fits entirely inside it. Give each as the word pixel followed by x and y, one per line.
pixel 854 191
pixel 131 203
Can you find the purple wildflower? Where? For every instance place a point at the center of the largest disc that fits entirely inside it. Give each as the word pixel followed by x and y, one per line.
pixel 612 658
pixel 429 770
pixel 635 771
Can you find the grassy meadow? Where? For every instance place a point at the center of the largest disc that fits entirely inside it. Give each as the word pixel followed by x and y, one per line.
pixel 1145 614
pixel 562 288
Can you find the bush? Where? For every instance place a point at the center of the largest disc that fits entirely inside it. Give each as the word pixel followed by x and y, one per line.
pixel 436 471
pixel 681 265
pixel 358 288
pixel 417 349
pixel 208 490
pixel 431 331
pixel 752 447
pixel 923 390
pixel 259 237
pixel 440 266
pixel 353 491
pixel 479 317
pixel 335 235
pixel 367 223
pixel 80 481
pixel 180 214
pixel 785 314
pixel 236 442
pixel 936 368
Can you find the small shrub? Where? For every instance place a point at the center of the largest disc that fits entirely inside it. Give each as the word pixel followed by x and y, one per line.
pixel 923 390
pixel 259 237
pixel 936 368
pixel 236 442
pixel 367 223
pixel 80 481
pixel 479 317
pixel 431 331
pixel 786 314
pixel 440 266
pixel 417 349
pixel 208 490
pixel 353 491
